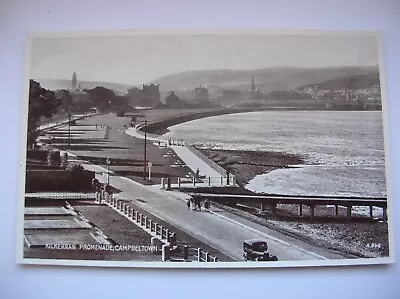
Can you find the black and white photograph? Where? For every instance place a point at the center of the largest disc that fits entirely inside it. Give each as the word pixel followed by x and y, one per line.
pixel 205 148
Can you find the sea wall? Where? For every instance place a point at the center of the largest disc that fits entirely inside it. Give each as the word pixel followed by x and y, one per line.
pixel 161 126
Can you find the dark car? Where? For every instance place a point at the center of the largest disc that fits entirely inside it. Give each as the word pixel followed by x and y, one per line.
pixel 257 250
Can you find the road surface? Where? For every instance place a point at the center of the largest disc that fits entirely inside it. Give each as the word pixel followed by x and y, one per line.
pixel 219 229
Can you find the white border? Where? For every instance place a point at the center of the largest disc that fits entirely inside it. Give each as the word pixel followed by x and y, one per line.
pixel 257 31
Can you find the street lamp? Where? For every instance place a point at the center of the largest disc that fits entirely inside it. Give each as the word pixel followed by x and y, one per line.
pixel 69 129
pixel 145 149
pixel 108 172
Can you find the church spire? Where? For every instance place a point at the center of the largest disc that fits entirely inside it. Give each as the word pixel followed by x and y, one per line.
pixel 74 80
pixel 253 87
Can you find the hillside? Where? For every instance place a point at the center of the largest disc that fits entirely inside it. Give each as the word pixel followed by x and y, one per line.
pixel 268 79
pixel 351 82
pixel 54 84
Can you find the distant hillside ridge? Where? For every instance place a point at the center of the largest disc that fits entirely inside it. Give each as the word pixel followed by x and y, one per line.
pixel 266 79
pixel 351 82
pixel 56 84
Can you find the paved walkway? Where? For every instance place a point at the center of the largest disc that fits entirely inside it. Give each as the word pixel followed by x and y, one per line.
pixel 187 156
pixel 194 162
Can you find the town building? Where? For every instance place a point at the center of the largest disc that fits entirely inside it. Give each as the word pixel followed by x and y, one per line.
pixel 147 96
pixel 201 94
pixel 172 99
pixel 254 93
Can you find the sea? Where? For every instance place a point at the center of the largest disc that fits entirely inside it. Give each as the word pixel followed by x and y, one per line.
pixel 343 150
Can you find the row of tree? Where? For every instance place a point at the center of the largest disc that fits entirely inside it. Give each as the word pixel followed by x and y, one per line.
pixel 44 104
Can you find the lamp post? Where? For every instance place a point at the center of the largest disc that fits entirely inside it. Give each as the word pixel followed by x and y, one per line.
pixel 108 172
pixel 69 129
pixel 145 150
pixel 95 185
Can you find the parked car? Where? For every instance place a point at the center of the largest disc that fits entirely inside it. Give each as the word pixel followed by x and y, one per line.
pixel 257 250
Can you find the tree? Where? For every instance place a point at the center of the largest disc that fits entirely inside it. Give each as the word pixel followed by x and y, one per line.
pixel 42 103
pixel 101 97
pixel 65 99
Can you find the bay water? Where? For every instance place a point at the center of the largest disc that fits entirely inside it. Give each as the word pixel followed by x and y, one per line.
pixel 343 150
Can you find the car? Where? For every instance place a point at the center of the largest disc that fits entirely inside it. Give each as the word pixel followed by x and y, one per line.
pixel 257 250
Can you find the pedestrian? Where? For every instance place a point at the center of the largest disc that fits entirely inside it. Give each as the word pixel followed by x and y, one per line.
pixel 188 204
pixel 197 174
pixel 207 206
pixel 199 205
pixel 193 203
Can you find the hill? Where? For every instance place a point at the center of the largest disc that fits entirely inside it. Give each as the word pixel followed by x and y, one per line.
pixel 351 82
pixel 54 84
pixel 267 79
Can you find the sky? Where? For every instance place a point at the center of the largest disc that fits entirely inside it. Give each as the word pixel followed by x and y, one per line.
pixel 141 58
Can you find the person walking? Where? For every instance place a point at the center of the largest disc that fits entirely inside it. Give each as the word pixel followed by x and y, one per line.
pixel 193 203
pixel 207 206
pixel 188 204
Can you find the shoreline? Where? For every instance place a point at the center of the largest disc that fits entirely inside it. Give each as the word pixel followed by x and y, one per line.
pixel 246 165
pixel 159 123
pixel 161 126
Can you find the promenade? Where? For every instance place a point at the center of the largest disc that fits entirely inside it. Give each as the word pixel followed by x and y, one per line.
pixel 219 229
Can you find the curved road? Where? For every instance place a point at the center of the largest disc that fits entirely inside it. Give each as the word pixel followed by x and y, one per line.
pixel 219 229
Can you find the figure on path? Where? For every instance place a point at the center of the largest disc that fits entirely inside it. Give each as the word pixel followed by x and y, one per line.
pixel 188 204
pixel 207 206
pixel 193 203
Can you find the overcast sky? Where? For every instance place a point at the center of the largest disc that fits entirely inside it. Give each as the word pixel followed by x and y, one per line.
pixel 139 59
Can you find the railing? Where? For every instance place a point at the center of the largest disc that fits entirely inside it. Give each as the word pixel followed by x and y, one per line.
pixel 189 254
pixel 147 224
pixel 60 195
pixel 177 182
pixel 164 235
pixel 155 137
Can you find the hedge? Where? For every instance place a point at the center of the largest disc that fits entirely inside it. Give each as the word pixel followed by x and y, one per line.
pixel 58 180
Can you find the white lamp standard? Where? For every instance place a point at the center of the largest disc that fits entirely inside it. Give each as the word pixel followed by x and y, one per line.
pixel 108 171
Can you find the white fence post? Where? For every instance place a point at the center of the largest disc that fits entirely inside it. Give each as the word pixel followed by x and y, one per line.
pixel 166 253
pixel 162 183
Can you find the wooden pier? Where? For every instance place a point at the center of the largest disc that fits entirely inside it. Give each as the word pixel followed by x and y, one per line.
pixel 301 201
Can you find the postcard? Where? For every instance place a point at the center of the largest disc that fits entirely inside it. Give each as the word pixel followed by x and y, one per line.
pixel 205 148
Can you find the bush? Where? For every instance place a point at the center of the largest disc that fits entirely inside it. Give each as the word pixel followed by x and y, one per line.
pixel 121 113
pixel 54 158
pixel 36 154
